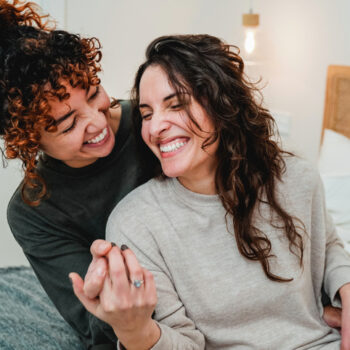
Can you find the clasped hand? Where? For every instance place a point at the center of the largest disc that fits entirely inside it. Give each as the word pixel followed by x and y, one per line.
pixel 120 292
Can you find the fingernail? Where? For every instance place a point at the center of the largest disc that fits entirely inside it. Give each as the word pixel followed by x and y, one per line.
pixel 124 247
pixel 113 244
pixel 104 245
pixel 71 279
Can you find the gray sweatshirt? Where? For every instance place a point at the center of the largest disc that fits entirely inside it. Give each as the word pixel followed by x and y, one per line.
pixel 209 295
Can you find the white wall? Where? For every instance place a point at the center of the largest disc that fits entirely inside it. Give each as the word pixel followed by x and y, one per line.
pixel 297 41
pixel 10 177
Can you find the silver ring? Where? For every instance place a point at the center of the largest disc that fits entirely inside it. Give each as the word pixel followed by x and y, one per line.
pixel 138 283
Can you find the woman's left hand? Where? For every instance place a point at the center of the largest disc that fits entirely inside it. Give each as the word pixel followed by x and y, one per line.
pixel 344 293
pixel 127 300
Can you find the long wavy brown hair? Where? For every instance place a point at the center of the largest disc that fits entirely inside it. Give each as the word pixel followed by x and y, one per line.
pixel 35 59
pixel 249 160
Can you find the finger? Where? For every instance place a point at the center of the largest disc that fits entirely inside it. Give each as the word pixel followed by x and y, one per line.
pixel 78 288
pixel 108 298
pixel 133 266
pixel 94 278
pixel 100 248
pixel 332 316
pixel 118 271
pixel 150 287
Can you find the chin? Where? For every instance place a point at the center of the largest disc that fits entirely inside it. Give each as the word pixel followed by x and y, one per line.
pixel 173 172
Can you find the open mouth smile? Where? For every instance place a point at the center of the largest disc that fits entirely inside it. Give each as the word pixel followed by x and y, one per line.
pixel 173 146
pixel 99 138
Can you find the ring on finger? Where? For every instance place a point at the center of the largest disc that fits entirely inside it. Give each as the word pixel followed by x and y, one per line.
pixel 137 283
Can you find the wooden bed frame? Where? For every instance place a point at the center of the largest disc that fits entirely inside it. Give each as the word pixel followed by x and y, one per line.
pixel 337 101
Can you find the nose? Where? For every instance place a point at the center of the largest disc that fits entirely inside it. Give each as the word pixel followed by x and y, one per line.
pixel 158 124
pixel 96 121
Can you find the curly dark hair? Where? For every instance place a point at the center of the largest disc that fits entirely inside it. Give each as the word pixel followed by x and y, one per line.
pixel 249 160
pixel 35 60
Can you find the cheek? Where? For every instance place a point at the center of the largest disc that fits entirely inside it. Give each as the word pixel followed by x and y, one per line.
pixel 145 133
pixel 146 137
pixel 104 102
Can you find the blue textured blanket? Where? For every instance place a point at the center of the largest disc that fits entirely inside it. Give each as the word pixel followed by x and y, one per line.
pixel 28 319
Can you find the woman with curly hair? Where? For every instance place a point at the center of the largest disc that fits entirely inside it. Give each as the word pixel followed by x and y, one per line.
pixel 230 245
pixel 78 151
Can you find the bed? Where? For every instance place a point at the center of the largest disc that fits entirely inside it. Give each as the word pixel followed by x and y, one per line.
pixel 334 160
pixel 28 319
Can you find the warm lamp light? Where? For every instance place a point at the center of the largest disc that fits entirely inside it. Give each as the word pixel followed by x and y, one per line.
pixel 250 23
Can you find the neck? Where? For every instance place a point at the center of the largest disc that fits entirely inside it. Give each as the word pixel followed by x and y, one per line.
pixel 202 185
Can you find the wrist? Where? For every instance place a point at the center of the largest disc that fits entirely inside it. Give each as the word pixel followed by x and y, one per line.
pixel 143 338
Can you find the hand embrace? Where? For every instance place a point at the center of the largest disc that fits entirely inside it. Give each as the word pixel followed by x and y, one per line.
pixel 126 301
pixel 98 268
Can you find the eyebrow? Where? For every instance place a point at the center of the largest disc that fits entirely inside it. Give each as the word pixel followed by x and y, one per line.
pixel 67 115
pixel 63 118
pixel 167 98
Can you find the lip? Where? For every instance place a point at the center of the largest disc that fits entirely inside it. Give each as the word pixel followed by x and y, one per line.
pixel 171 139
pixel 102 142
pixel 177 151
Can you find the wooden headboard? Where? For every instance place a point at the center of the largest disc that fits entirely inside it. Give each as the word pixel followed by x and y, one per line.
pixel 337 102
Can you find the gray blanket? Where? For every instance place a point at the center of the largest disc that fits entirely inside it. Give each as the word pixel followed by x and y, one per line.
pixel 28 319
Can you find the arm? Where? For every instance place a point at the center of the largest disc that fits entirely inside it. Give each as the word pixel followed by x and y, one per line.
pixel 337 271
pixel 337 264
pixel 178 331
pixel 344 293
pixel 128 309
pixel 52 258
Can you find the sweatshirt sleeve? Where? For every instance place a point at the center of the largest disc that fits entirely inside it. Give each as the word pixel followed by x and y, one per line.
pixel 337 259
pixel 52 259
pixel 178 331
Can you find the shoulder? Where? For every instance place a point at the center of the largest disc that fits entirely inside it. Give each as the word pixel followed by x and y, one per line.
pixel 17 210
pixel 125 110
pixel 21 217
pixel 120 110
pixel 139 210
pixel 141 200
pixel 300 173
pixel 126 219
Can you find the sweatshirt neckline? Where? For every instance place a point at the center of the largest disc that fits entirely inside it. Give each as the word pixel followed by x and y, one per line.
pixel 62 168
pixel 193 198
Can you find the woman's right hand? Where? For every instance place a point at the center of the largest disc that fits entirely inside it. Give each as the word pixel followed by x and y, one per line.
pixel 98 268
pixel 126 301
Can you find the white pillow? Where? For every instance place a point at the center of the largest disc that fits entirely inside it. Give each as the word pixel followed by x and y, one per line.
pixel 337 189
pixel 334 166
pixel 335 154
pixel 345 236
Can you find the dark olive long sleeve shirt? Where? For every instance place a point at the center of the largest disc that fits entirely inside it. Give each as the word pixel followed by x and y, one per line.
pixel 56 235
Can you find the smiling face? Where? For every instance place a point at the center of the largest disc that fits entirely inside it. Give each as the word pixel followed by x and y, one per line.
pixel 84 127
pixel 169 133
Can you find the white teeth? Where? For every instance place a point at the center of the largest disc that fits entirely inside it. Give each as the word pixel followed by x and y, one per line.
pixel 171 148
pixel 100 137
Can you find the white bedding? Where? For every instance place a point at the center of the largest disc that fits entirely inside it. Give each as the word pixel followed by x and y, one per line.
pixel 334 166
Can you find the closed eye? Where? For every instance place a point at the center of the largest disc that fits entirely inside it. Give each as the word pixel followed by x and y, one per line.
pixel 70 128
pixel 177 106
pixel 146 116
pixel 95 94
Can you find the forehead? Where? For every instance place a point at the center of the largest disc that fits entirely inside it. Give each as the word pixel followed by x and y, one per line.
pixel 60 107
pixel 155 83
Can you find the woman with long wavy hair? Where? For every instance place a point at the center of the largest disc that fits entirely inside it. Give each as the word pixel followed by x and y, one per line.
pixel 230 245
